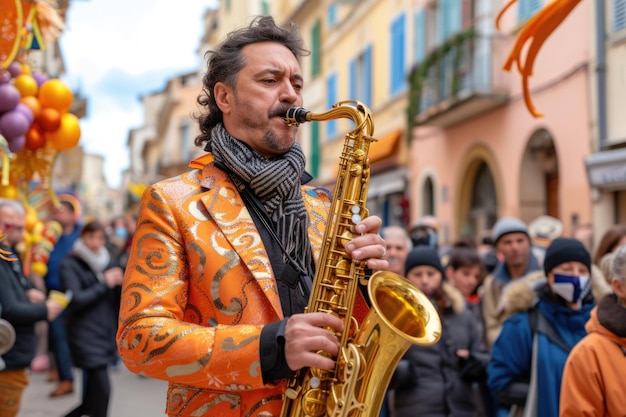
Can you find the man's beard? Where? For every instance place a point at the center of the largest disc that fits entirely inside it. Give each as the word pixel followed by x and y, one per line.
pixel 269 138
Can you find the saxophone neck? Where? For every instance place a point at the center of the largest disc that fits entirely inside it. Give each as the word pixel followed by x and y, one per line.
pixel 358 112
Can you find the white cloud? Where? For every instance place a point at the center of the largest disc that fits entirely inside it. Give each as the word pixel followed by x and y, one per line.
pixel 117 50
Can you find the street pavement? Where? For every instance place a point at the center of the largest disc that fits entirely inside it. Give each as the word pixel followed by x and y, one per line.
pixel 131 396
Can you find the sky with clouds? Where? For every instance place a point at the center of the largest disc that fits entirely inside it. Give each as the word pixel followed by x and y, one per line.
pixel 117 50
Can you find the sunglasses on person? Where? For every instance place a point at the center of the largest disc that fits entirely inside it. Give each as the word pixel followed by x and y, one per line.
pixel 7 227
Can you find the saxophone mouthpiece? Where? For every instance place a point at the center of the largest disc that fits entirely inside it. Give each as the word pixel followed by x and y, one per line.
pixel 297 115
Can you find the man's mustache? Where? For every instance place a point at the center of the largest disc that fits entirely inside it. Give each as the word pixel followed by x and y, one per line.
pixel 280 111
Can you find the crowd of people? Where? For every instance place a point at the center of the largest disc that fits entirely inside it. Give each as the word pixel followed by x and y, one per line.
pixel 531 338
pixel 77 300
pixel 214 294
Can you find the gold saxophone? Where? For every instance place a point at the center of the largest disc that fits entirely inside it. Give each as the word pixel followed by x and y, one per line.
pixel 401 314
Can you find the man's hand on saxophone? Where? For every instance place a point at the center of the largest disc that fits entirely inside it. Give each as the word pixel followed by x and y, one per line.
pixel 368 245
pixel 308 334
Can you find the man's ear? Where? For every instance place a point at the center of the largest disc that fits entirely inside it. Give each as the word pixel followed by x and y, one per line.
pixel 223 97
pixel 618 288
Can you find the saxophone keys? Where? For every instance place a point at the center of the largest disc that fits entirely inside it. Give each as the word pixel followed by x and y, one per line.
pixel 356 217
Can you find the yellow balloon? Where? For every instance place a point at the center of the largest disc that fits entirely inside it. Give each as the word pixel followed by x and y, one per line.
pixel 67 135
pixel 39 268
pixel 9 191
pixel 26 85
pixel 31 220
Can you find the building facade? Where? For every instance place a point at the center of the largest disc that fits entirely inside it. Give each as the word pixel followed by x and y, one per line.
pixel 455 139
pixel 359 51
pixel 606 167
pixel 477 154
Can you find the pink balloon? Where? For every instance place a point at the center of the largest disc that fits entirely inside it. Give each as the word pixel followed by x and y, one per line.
pixel 13 124
pixel 26 111
pixel 16 144
pixel 9 97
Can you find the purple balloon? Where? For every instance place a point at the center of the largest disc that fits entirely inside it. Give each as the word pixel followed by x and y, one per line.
pixel 16 144
pixel 40 78
pixel 9 97
pixel 26 111
pixel 5 77
pixel 15 69
pixel 13 124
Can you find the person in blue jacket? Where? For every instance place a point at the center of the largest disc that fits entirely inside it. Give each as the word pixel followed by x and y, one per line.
pixel 551 325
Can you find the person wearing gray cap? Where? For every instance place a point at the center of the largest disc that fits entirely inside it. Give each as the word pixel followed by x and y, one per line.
pixel 512 243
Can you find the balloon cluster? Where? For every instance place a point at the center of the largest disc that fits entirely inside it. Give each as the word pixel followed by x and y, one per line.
pixel 44 236
pixel 34 110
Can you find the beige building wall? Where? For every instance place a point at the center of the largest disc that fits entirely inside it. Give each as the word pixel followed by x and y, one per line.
pixel 358 25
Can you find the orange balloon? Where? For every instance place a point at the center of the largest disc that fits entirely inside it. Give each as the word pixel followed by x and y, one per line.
pixel 25 67
pixel 26 85
pixel 33 104
pixel 34 138
pixel 49 119
pixel 67 135
pixel 56 95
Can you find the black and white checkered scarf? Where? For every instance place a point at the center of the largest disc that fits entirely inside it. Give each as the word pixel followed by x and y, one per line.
pixel 276 183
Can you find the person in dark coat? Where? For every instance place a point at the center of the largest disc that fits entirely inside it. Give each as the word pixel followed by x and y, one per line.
pixel 436 381
pixel 92 316
pixel 22 307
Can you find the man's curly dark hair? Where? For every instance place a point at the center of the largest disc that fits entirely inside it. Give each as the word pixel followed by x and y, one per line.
pixel 226 61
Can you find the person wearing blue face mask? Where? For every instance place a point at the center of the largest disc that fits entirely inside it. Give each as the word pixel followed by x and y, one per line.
pixel 529 355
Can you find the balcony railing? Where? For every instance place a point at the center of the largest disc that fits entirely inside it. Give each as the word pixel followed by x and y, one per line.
pixel 457 81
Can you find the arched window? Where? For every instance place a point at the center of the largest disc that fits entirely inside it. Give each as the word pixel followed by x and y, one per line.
pixel 428 197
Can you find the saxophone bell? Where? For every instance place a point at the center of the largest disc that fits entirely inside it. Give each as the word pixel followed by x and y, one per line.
pixel 297 115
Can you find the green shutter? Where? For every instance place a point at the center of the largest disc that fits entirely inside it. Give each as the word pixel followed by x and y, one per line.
pixel 315 50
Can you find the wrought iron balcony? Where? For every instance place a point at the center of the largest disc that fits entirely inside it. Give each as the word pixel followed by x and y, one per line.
pixel 459 80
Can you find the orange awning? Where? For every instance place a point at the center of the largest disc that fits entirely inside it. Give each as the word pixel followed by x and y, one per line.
pixel 385 146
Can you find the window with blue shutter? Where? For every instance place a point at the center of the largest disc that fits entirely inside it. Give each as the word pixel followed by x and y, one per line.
pixel 449 14
pixel 367 76
pixel 360 72
pixel 619 15
pixel 419 35
pixel 331 98
pixel 397 54
pixel 527 9
pixel 331 17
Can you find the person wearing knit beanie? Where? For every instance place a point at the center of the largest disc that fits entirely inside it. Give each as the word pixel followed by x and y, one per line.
pixel 568 268
pixel 539 337
pixel 423 268
pixel 562 250
pixel 507 225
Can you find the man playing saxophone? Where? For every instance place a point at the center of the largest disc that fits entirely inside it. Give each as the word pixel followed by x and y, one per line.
pixel 223 256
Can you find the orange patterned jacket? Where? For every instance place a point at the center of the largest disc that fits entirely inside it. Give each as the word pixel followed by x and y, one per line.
pixel 197 291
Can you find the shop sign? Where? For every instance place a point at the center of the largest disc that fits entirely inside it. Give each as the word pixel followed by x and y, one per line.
pixel 607 169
